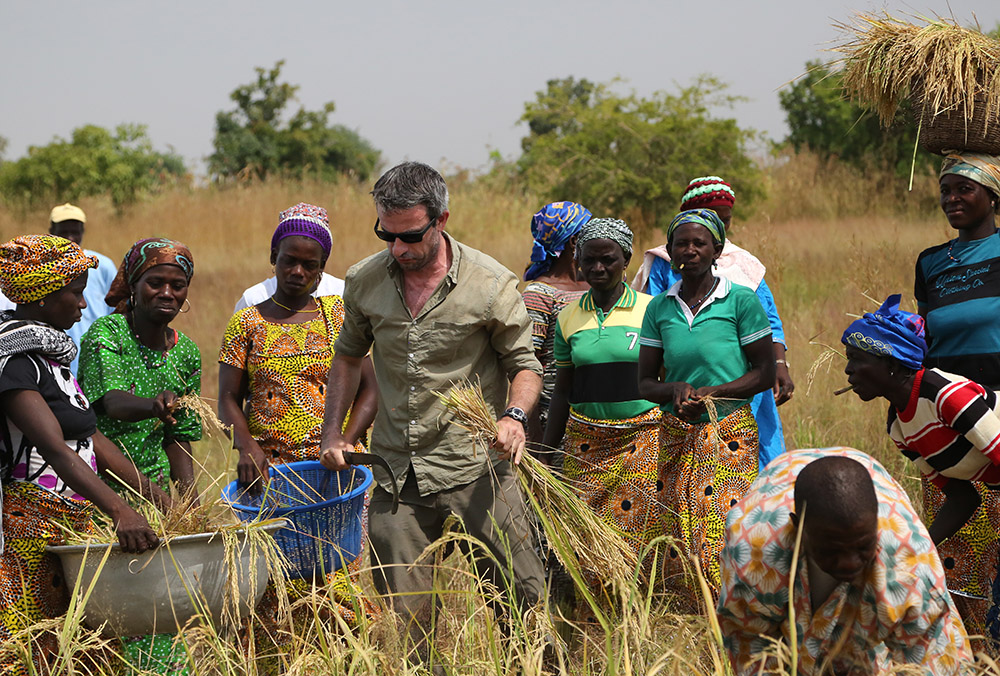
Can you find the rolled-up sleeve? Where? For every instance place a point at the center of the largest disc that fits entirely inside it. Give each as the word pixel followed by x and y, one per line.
pixel 356 336
pixel 510 329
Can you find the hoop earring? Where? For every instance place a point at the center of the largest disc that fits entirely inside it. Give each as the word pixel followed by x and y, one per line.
pixel 188 303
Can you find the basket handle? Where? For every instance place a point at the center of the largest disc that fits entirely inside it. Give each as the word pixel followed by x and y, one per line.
pixel 369 459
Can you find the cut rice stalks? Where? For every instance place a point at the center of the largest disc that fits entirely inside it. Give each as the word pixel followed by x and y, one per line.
pixel 948 65
pixel 564 516
pixel 471 412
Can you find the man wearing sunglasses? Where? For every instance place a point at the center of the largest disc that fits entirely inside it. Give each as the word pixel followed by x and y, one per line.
pixel 434 312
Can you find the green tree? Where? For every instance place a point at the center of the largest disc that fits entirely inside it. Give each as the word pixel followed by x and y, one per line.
pixel 630 156
pixel 253 139
pixel 822 120
pixel 94 161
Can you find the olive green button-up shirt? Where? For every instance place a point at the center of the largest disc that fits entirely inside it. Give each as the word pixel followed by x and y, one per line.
pixel 474 325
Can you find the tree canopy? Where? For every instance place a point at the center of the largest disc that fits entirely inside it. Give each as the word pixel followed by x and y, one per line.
pixel 94 161
pixel 254 139
pixel 821 119
pixel 630 156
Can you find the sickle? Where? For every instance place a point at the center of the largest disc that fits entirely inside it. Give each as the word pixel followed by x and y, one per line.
pixel 369 459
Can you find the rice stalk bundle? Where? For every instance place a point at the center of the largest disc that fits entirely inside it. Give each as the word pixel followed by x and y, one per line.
pixel 566 519
pixel 471 412
pixel 589 542
pixel 209 420
pixel 946 66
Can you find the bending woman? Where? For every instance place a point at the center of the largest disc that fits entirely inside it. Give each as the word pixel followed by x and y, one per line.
pixel 740 266
pixel 134 366
pixel 958 294
pixel 552 285
pixel 711 338
pixel 947 425
pixel 611 442
pixel 49 444
pixel 276 356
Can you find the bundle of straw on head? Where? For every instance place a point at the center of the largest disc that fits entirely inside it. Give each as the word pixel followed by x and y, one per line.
pixel 947 65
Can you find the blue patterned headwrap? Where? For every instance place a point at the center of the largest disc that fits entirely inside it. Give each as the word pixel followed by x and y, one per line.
pixel 890 332
pixel 551 228
pixel 705 217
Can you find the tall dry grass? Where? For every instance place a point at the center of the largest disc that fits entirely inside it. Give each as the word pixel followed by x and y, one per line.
pixel 835 243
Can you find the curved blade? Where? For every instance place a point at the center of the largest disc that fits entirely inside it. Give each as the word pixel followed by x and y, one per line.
pixel 369 459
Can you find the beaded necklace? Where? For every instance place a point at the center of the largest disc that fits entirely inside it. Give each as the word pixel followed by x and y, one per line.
pixel 702 299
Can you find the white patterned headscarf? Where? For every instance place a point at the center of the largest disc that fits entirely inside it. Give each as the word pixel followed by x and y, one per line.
pixel 983 169
pixel 614 229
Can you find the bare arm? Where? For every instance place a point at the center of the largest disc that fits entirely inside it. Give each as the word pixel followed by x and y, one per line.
pixel 783 385
pixel 341 389
pixel 252 464
pixel 365 404
pixel 524 390
pixel 130 408
pixel 758 378
pixel 555 427
pixel 28 410
pixel 181 464
pixel 960 503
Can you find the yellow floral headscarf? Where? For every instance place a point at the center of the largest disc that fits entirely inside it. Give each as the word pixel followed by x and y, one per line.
pixel 33 266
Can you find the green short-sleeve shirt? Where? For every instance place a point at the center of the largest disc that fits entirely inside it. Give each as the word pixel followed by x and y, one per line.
pixel 111 358
pixel 705 349
pixel 603 350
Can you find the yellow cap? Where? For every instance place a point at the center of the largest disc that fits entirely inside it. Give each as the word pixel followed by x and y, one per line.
pixel 67 212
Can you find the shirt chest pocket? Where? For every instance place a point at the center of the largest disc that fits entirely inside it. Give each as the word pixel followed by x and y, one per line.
pixel 445 342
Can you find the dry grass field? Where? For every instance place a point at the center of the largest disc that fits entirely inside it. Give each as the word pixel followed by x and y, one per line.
pixel 835 244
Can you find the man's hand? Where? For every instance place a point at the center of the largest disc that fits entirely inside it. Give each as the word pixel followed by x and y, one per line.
pixel 509 443
pixel 251 470
pixel 163 406
pixel 332 456
pixel 134 533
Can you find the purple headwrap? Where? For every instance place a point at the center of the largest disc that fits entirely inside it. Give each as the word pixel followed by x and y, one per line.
pixel 551 228
pixel 304 220
pixel 890 332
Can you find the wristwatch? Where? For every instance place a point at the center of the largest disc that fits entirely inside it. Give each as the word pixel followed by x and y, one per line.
pixel 518 414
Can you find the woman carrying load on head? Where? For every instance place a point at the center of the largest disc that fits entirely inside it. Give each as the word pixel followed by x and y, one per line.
pixel 948 425
pixel 957 287
pixel 711 339
pixel 50 448
pixel 552 284
pixel 611 440
pixel 275 358
pixel 134 367
pixel 740 266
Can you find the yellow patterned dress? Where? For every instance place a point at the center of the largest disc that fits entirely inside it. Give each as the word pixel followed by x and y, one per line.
pixel 287 367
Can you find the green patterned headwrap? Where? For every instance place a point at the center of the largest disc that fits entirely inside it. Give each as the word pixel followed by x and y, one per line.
pixel 704 217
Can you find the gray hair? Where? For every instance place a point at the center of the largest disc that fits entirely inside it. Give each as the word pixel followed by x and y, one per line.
pixel 411 184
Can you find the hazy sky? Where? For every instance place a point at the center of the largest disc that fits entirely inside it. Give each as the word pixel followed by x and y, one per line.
pixel 441 81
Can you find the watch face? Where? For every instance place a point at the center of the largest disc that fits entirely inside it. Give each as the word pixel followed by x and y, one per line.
pixel 517 414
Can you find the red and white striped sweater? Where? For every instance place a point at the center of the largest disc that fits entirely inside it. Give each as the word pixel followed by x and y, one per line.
pixel 950 429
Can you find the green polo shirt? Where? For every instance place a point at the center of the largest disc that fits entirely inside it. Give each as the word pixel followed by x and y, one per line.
pixel 603 351
pixel 705 349
pixel 474 326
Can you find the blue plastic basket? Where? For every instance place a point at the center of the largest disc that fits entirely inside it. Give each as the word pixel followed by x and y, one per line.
pixel 324 508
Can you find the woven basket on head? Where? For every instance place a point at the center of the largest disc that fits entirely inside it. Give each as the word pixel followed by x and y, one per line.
pixel 950 130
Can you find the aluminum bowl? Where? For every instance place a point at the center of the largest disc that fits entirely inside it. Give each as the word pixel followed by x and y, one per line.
pixel 158 591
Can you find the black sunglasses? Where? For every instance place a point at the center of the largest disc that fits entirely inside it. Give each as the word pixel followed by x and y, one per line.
pixel 411 237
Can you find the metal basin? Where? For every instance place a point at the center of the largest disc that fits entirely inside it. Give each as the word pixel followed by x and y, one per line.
pixel 157 592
